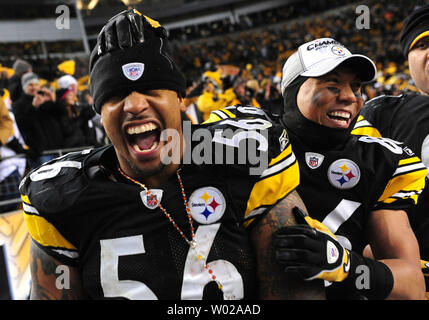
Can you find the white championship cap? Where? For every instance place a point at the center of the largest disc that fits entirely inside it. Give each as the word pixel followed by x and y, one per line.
pixel 321 56
pixel 66 81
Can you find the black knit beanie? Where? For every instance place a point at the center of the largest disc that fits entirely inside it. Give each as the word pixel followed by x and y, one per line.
pixel 414 25
pixel 143 66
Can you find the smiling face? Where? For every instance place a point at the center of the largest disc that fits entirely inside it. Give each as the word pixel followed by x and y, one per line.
pixel 332 100
pixel 418 61
pixel 134 125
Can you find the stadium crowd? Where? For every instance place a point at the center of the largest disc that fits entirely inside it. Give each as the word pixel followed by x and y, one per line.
pixel 241 66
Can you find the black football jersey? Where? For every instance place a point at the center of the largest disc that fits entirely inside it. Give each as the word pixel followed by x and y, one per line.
pixel 81 211
pixel 403 118
pixel 341 187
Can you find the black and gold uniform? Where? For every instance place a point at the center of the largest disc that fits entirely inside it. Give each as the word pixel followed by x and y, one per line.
pixel 81 211
pixel 404 118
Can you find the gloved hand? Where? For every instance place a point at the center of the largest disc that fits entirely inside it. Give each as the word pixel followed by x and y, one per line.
pixel 126 29
pixel 15 146
pixel 311 250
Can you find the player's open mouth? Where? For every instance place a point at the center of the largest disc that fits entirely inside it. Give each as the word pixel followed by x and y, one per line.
pixel 340 116
pixel 143 137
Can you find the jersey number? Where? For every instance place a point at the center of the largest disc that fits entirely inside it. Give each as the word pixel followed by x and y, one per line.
pixel 195 276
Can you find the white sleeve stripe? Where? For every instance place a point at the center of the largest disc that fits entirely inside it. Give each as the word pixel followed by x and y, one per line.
pixel 363 123
pixel 70 254
pixel 220 114
pixel 51 170
pixel 409 168
pixel 28 208
pixel 405 194
pixel 279 166
pixel 256 212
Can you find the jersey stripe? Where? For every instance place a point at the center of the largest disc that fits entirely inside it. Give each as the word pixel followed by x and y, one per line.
pixel 409 168
pixel 367 131
pixel 272 189
pixel 45 233
pixel 409 160
pixel 365 128
pixel 340 214
pixel 287 162
pixel 404 182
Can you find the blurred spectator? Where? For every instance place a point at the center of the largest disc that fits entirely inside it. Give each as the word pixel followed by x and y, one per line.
pixel 38 119
pixel 85 98
pixel 78 128
pixel 11 168
pixel 214 97
pixel 68 82
pixel 20 67
pixel 270 98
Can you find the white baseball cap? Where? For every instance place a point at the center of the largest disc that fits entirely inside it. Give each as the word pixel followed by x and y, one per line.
pixel 66 81
pixel 319 57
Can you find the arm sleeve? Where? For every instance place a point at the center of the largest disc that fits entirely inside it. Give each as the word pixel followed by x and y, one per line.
pixel 6 124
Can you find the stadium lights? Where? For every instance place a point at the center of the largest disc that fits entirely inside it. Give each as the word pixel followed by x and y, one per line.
pixel 129 3
pixel 86 4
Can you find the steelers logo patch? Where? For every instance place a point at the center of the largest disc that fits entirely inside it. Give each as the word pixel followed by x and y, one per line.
pixel 339 51
pixel 207 205
pixel 343 174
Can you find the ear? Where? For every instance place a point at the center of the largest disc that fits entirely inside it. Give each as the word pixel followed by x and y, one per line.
pixel 182 105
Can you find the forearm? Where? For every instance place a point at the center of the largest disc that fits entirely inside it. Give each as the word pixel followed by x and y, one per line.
pixel 274 282
pixel 408 280
pixel 393 243
pixel 52 280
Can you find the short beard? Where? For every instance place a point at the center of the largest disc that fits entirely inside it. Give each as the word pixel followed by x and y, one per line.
pixel 145 173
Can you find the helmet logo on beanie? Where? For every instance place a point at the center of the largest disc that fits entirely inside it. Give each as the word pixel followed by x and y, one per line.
pixel 133 71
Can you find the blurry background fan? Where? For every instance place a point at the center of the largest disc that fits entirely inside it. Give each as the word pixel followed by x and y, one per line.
pixel 131 3
pixel 86 4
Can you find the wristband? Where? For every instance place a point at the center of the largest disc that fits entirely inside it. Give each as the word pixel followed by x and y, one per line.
pixel 371 278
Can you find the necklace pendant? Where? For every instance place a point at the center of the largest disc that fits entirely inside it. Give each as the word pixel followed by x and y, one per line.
pixel 193 244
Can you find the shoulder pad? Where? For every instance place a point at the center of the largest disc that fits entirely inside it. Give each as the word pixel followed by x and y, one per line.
pixel 386 100
pixel 239 111
pixel 244 136
pixel 58 183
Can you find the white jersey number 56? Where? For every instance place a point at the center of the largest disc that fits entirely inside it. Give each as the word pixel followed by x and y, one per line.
pixel 195 276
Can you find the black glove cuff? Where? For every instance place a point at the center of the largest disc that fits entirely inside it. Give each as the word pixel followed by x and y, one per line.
pixel 15 146
pixel 371 278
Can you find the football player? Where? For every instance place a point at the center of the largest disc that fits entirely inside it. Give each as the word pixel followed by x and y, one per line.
pixel 406 117
pixel 357 189
pixel 121 222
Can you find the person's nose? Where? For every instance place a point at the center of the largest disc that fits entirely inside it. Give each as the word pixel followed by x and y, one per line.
pixel 347 94
pixel 136 103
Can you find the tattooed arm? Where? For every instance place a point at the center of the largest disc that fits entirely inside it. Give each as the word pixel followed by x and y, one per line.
pixel 51 279
pixel 273 281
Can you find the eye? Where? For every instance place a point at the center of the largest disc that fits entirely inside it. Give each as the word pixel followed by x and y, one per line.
pixel 356 87
pixel 113 100
pixel 422 45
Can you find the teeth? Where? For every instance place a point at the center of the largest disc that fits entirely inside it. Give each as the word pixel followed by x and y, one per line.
pixel 136 147
pixel 142 128
pixel 340 114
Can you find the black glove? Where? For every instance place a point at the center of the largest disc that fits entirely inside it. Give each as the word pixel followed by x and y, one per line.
pixel 311 250
pixel 16 146
pixel 126 29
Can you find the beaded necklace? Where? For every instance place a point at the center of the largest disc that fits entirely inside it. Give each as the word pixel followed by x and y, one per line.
pixel 192 242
